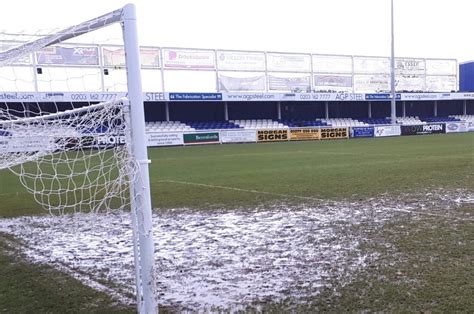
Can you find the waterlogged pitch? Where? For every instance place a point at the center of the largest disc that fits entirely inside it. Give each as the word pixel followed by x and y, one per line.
pixel 376 224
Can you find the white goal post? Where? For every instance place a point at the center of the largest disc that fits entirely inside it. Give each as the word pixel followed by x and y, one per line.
pixel 62 160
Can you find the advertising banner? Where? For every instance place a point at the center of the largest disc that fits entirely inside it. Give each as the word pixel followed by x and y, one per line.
pixel 240 61
pixel 304 134
pixel 288 62
pixel 457 127
pixel 164 139
pixel 334 133
pixel 332 81
pixel 115 56
pixel 441 67
pixel 363 131
pixel 294 83
pixel 420 129
pixel 188 59
pixel 410 82
pixel 410 66
pixel 272 135
pixel 387 130
pixel 238 136
pixel 372 65
pixel 195 96
pixel 332 64
pixel 56 55
pixel 22 59
pixel 371 83
pixel 201 138
pixel 441 83
pixel 232 84
pixel 9 144
pixel 470 126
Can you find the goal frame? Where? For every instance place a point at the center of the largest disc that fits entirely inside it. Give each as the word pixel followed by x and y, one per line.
pixel 140 198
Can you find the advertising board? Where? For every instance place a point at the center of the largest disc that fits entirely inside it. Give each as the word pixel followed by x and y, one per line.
pixel 457 127
pixel 387 130
pixel 304 134
pixel 164 139
pixel 201 138
pixel 334 133
pixel 273 135
pixel 362 131
pixel 238 136
pixel 421 129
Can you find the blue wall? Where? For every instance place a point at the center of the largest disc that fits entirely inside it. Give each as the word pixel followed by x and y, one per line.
pixel 466 77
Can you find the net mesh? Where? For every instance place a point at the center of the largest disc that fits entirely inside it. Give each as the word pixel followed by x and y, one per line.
pixel 74 160
pixel 71 154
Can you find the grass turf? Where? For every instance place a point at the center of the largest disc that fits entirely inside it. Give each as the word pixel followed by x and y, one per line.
pixel 207 177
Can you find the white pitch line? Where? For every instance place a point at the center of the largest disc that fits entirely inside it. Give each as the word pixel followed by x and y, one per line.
pixel 304 198
pixel 243 190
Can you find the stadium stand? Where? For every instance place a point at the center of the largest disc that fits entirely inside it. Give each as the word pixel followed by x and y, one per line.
pixel 167 126
pixel 409 120
pixel 259 124
pixel 369 121
pixel 256 124
pixel 439 119
pixel 467 118
pixel 213 125
pixel 343 122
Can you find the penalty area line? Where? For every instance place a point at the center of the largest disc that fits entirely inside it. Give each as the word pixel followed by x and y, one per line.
pixel 242 190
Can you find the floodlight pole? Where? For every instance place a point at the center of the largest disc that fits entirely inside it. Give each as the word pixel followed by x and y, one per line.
pixel 140 191
pixel 393 109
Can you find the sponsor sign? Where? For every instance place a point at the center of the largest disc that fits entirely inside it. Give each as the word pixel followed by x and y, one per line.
pixel 441 83
pixel 238 136
pixel 115 56
pixel 410 66
pixel 109 141
pixel 228 84
pixel 201 138
pixel 420 96
pixel 188 59
pixel 195 96
pixel 457 127
pixel 381 96
pixel 12 144
pixel 470 126
pixel 330 81
pixel 288 62
pixel 410 82
pixel 164 139
pixel 304 134
pixel 289 83
pixel 371 82
pixel 56 55
pixel 441 67
pixel 387 130
pixel 241 61
pixel 332 64
pixel 272 135
pixel 22 59
pixel 420 129
pixel 372 65
pixel 363 131
pixel 334 133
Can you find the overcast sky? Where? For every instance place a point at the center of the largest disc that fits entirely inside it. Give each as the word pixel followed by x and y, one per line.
pixel 423 28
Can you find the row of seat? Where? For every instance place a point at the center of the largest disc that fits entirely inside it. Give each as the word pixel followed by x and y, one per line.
pixel 165 126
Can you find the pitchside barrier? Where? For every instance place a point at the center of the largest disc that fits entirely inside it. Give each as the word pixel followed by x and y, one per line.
pixel 283 135
pixel 422 129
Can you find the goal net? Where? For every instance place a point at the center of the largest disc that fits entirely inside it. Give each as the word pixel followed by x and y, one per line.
pixel 69 133
pixel 76 160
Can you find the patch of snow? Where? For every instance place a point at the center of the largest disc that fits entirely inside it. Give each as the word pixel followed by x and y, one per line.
pixel 226 259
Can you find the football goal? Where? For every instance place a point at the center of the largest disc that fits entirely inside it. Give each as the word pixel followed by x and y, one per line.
pixel 74 147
